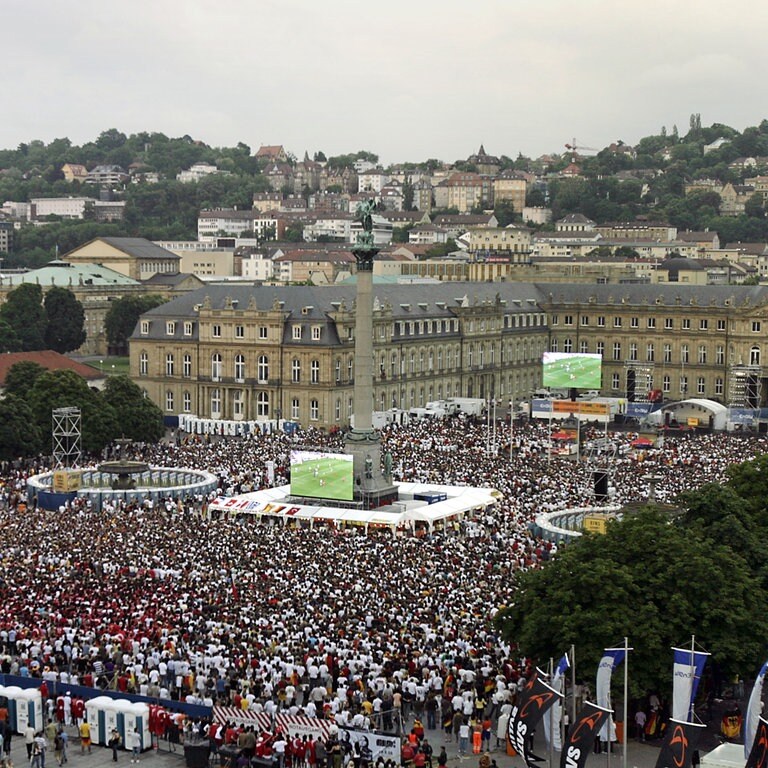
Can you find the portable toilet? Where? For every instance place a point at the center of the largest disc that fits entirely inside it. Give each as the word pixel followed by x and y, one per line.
pixel 12 692
pixel 110 717
pixel 140 720
pixel 96 717
pixel 31 700
pixel 125 718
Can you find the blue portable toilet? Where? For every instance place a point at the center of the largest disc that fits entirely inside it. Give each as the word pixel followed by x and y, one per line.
pixel 96 717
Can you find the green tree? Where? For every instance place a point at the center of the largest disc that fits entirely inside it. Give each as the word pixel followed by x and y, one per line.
pixel 122 317
pixel 9 341
pixel 755 207
pixel 408 194
pixel 400 234
pixel 21 377
pixel 504 212
pixel 59 389
pixel 23 311
pixel 19 434
pixel 140 419
pixel 294 233
pixel 65 330
pixel 627 583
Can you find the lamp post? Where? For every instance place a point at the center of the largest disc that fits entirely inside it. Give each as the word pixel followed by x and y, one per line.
pixel 101 368
pixel 511 427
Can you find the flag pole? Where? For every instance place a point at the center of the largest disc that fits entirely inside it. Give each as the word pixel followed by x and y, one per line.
pixel 692 677
pixel 551 717
pixel 573 684
pixel 625 730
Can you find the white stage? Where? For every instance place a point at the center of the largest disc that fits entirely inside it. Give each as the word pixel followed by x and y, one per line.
pixel 405 514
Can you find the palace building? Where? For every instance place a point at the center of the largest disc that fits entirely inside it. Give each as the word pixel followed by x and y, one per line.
pixel 258 353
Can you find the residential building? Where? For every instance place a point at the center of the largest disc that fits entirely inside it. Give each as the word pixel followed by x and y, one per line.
pixel 486 164
pixel 510 187
pixel 734 198
pixel 372 180
pixel 337 226
pixel 537 215
pixel 464 191
pixel 318 267
pixel 63 207
pixel 223 222
pixel 107 175
pixel 427 234
pixel 272 153
pixel 457 225
pixel 266 201
pixel 6 236
pixel 74 172
pixel 512 243
pixel 196 172
pixel 637 230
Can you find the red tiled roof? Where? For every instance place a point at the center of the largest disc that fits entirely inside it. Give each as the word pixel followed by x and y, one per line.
pixel 47 358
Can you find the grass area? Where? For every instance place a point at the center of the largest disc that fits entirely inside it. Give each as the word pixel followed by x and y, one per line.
pixel 110 366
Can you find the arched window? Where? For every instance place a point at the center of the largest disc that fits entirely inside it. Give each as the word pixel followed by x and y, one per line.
pixel 754 356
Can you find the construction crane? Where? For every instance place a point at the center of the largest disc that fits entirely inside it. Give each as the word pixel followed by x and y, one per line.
pixel 576 148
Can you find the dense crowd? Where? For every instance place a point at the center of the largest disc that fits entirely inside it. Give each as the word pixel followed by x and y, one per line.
pixel 169 601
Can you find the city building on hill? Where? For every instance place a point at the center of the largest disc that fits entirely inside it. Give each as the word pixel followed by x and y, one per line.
pixel 196 172
pixel 107 176
pixel 486 164
pixel 510 187
pixel 273 153
pixel 74 172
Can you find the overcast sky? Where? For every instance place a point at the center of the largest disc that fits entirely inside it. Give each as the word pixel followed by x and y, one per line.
pixel 407 79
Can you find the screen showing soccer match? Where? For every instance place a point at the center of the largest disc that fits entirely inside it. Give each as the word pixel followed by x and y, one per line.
pixel 566 369
pixel 320 475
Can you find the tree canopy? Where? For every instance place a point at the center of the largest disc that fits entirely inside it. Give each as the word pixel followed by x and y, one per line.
pixel 629 583
pixel 122 318
pixel 23 311
pixel 65 320
pixel 139 418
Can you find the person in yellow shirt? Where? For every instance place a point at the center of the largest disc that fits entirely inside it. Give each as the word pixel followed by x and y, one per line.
pixel 85 737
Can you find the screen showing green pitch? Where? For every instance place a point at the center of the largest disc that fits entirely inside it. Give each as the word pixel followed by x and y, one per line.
pixel 321 475
pixel 566 369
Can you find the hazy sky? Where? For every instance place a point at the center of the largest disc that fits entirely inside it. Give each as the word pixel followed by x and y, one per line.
pixel 408 80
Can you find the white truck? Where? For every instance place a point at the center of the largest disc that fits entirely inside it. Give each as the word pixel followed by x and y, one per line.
pixel 471 406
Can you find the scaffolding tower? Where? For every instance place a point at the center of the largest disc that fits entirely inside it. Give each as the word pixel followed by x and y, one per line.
pixel 66 436
pixel 639 378
pixel 745 386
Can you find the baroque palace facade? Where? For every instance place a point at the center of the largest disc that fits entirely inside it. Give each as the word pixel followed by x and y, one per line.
pixel 270 352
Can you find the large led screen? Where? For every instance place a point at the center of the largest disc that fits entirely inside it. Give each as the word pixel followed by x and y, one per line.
pixel 321 475
pixel 563 370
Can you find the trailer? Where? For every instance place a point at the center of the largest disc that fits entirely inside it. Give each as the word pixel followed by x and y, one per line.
pixel 600 409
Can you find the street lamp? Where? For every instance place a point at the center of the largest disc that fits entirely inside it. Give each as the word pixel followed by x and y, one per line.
pixel 511 426
pixel 101 367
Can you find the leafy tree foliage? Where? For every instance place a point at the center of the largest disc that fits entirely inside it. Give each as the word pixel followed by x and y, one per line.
pixel 628 583
pixel 123 316
pixel 24 313
pixel 65 330
pixel 9 341
pixel 21 377
pixel 19 434
pixel 505 213
pixel 139 418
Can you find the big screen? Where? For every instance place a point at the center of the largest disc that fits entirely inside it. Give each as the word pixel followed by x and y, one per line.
pixel 321 475
pixel 566 369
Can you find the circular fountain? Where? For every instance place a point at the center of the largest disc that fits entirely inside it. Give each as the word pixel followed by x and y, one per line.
pixel 123 469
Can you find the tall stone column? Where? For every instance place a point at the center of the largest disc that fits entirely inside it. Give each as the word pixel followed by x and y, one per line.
pixel 372 487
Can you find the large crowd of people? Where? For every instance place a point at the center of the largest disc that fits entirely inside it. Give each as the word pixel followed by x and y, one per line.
pixel 172 602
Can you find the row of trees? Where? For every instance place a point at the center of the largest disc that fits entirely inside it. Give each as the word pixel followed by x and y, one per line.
pixel 32 392
pixel 657 582
pixel 29 322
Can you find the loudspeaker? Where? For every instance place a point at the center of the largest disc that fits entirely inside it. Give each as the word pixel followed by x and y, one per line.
pixel 631 379
pixel 600 481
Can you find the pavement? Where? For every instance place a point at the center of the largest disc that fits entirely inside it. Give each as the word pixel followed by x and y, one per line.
pixel 639 755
